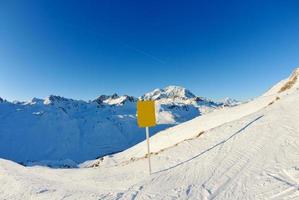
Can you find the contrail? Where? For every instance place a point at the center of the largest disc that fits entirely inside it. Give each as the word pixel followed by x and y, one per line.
pixel 146 54
pixel 120 42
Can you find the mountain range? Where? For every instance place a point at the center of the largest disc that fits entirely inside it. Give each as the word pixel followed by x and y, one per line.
pixel 59 130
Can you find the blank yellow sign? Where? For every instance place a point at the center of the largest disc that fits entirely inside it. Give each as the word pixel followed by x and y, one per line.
pixel 146 113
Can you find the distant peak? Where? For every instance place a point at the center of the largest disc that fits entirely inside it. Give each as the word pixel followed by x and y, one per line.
pixel 102 98
pixel 230 102
pixel 174 87
pixel 55 99
pixel 172 91
pixel 105 97
pixel 179 91
pixel 114 99
pixel 114 96
pixel 1 100
pixel 34 100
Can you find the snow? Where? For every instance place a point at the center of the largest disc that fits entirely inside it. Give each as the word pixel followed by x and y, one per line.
pixel 190 129
pixel 230 102
pixel 250 151
pixel 58 128
pixel 173 92
pixel 276 88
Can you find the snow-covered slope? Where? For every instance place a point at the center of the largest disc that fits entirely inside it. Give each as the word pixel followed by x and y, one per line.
pixel 56 128
pixel 246 152
pixel 287 85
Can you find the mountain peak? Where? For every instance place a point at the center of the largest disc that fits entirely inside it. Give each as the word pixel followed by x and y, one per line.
pixel 102 98
pixel 33 101
pixel 172 92
pixel 178 91
pixel 230 102
pixel 55 99
pixel 114 99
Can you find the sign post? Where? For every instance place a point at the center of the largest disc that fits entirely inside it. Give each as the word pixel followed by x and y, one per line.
pixel 148 150
pixel 146 118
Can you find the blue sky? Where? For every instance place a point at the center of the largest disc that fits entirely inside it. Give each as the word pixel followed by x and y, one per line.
pixel 81 49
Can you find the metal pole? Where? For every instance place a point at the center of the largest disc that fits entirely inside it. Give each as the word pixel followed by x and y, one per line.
pixel 148 149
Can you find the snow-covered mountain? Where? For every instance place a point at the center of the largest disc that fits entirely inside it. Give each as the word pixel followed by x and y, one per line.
pixel 174 93
pixel 58 128
pixel 175 104
pixel 230 102
pixel 249 151
pixel 114 99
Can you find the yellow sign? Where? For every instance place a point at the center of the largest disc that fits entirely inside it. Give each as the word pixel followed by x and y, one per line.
pixel 146 113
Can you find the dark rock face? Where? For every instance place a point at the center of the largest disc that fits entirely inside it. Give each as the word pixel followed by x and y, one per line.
pixel 123 99
pixel 57 99
pixel 129 99
pixel 114 96
pixel 101 99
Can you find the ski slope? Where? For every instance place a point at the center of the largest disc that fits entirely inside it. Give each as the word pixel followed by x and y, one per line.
pixel 246 152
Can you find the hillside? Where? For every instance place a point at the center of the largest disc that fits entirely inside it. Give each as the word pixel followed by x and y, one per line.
pixel 58 131
pixel 250 151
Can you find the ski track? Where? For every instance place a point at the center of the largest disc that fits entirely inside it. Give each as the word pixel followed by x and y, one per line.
pixel 234 165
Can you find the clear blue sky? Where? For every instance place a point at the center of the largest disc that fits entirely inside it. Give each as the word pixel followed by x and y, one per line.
pixel 81 49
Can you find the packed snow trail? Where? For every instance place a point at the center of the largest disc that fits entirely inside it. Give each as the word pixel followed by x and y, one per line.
pixel 238 164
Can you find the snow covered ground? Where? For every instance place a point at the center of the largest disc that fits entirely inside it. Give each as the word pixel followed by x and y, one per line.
pixel 57 131
pixel 250 151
